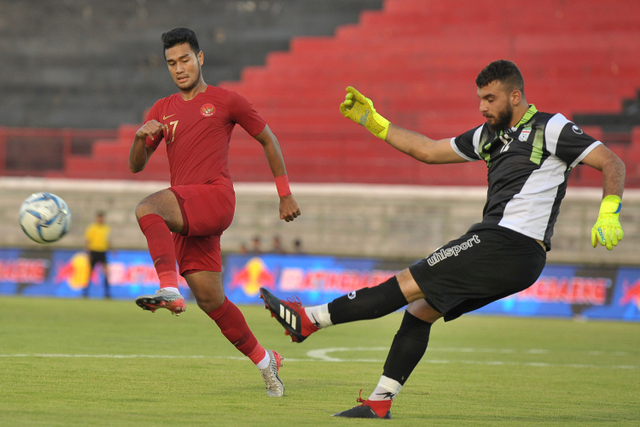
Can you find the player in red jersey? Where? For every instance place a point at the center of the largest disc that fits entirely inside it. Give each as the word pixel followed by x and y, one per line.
pixel 196 124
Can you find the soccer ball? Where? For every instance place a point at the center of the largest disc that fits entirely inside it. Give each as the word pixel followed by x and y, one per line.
pixel 45 217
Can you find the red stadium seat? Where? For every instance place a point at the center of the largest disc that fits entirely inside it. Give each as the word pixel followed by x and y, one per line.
pixel 417 60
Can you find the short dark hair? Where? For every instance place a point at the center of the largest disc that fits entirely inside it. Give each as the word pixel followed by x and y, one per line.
pixel 178 36
pixel 503 71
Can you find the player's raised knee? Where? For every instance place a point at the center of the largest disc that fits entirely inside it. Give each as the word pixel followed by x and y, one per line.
pixel 143 209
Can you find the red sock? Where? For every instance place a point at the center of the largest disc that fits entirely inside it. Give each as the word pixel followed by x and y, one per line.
pixel 234 327
pixel 161 249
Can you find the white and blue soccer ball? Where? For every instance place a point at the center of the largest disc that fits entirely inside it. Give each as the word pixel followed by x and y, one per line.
pixel 45 217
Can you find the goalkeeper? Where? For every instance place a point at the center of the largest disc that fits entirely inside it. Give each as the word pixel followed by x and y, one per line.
pixel 529 155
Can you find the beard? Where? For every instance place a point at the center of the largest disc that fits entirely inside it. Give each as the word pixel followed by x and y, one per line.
pixel 502 120
pixel 192 85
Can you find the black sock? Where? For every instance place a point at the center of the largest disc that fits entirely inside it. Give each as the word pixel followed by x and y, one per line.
pixel 368 303
pixel 407 349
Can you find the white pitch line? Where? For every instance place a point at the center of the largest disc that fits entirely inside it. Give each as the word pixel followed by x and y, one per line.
pixel 320 356
pixel 523 351
pixel 105 356
pixel 322 353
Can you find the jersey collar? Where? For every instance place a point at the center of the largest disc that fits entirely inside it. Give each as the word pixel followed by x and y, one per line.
pixel 527 116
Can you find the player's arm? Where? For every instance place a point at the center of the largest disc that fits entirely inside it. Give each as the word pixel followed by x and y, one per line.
pixel 140 152
pixel 421 147
pixel 289 209
pixel 612 168
pixel 607 230
pixel 360 109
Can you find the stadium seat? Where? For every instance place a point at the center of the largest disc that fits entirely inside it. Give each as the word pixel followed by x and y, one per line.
pixel 417 60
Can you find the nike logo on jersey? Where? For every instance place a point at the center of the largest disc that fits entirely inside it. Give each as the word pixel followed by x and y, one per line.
pixel 166 117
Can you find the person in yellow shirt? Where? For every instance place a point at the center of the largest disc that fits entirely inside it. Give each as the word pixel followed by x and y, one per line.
pixel 97 244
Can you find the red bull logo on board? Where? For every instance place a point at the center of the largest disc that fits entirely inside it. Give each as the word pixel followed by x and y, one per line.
pixel 630 294
pixel 254 275
pixel 75 273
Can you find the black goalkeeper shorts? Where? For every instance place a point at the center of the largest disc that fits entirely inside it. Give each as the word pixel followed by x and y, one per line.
pixel 488 263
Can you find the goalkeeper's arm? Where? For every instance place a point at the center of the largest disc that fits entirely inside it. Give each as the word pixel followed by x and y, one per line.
pixel 360 109
pixel 607 230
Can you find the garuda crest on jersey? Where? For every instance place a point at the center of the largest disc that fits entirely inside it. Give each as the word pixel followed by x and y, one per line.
pixel 207 110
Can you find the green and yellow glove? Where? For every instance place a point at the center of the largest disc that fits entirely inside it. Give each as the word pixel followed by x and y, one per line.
pixel 607 229
pixel 360 109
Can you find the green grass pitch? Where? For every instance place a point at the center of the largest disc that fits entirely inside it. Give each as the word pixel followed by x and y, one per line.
pixel 108 363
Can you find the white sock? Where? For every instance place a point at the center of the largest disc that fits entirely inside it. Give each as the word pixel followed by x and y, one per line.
pixel 319 315
pixel 172 289
pixel 387 389
pixel 265 361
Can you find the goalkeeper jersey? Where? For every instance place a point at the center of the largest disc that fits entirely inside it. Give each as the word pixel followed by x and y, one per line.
pixel 528 168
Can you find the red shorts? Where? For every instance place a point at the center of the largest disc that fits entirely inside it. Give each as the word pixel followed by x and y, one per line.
pixel 207 210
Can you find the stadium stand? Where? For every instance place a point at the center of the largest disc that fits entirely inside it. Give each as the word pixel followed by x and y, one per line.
pixel 574 57
pixel 96 64
pixel 417 59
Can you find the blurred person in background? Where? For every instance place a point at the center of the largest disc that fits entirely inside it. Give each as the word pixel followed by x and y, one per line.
pixel 97 244
pixel 297 247
pixel 196 125
pixel 256 247
pixel 529 155
pixel 276 246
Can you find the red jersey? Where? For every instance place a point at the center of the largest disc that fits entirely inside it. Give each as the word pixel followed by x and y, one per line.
pixel 197 133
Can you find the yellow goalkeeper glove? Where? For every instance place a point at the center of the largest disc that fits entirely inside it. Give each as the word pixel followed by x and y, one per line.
pixel 607 229
pixel 360 109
